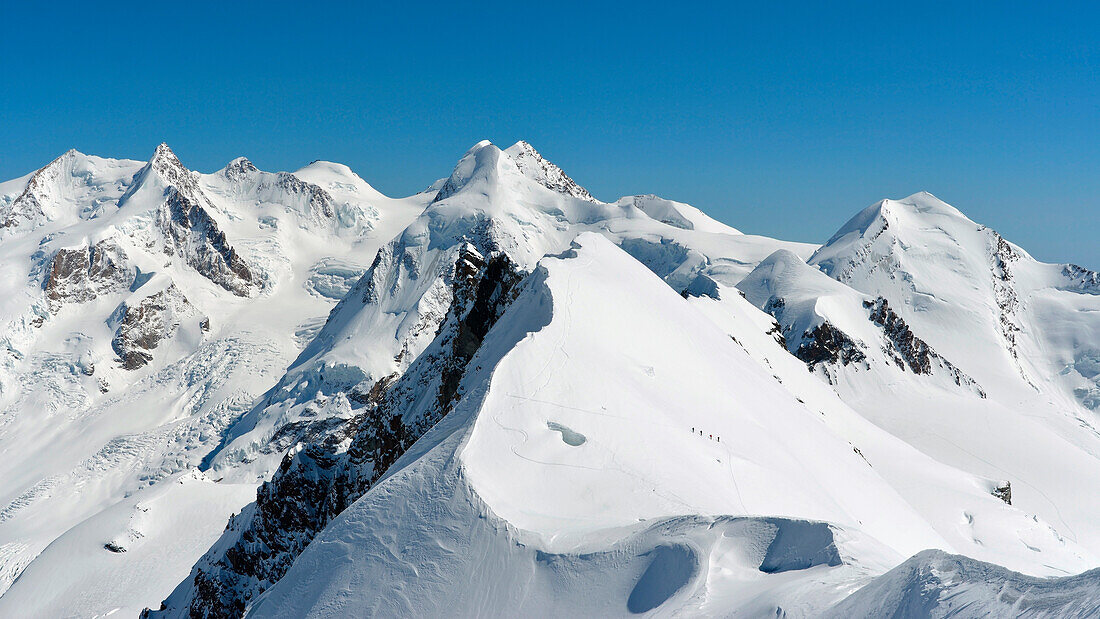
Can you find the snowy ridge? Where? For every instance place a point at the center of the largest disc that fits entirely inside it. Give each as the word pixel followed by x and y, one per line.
pixel 486 209
pixel 503 396
pixel 484 453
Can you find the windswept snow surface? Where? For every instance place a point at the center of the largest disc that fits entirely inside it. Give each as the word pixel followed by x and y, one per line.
pixel 503 396
pixel 665 517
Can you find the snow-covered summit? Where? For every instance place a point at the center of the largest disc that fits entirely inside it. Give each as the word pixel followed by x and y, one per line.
pixel 72 187
pixel 534 166
pixel 718 422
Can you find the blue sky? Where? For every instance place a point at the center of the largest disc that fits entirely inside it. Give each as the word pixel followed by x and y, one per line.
pixel 783 119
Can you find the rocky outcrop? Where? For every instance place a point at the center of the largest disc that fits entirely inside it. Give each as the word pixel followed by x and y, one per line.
pixel 193 235
pixel 81 274
pixel 1080 279
pixel 908 350
pixel 315 484
pixel 319 201
pixel 1001 257
pixel 537 168
pixel 824 344
pixel 827 344
pixel 1004 492
pixel 142 327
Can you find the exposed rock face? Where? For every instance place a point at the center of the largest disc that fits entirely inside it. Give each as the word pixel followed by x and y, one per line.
pixel 184 220
pixel 827 344
pixel 315 484
pixel 1004 492
pixel 318 202
pixel 142 327
pixel 81 274
pixel 909 350
pixel 1001 257
pixel 823 344
pixel 1081 279
pixel 535 167
pixel 193 235
pixel 321 203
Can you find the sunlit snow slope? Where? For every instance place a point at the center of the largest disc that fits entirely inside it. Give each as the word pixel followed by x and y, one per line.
pixel 286 394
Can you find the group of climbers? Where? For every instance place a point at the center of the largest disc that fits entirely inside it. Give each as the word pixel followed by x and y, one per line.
pixel 710 436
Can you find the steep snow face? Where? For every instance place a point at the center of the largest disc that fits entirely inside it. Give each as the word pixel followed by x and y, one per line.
pixel 946 274
pixel 627 515
pixel 489 206
pixel 144 308
pixel 630 398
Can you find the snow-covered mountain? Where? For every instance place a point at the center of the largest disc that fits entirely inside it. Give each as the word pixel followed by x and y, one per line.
pixel 504 396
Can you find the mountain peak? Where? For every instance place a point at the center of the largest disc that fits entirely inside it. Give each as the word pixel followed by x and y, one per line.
pixel 168 167
pixel 482 160
pixel 536 167
pixel 924 202
pixel 239 168
pixel 163 151
pixel 33 203
pixel 909 213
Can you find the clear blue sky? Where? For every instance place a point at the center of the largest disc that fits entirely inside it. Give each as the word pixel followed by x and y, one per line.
pixel 778 118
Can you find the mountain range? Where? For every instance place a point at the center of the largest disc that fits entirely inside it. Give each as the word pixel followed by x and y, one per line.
pixel 260 394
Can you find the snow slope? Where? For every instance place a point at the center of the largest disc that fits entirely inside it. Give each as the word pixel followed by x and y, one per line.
pixel 487 398
pixel 625 489
pixel 489 209
pixel 1012 325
